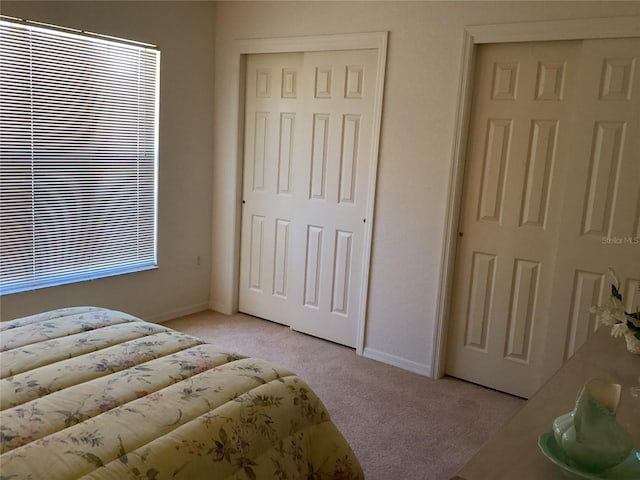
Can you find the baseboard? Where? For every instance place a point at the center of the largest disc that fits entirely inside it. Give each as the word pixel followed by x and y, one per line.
pixel 410 365
pixel 180 312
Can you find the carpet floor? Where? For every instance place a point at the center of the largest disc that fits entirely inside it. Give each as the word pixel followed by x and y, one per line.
pixel 401 426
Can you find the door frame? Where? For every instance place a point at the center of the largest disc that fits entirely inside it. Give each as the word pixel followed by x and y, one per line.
pixel 351 41
pixel 593 28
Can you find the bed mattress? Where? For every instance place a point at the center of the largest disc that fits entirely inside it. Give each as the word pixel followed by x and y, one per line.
pixel 92 393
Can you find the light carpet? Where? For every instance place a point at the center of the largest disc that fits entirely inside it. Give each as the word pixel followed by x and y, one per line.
pixel 401 425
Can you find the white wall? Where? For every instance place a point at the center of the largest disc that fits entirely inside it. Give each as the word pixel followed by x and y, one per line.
pixel 184 32
pixel 423 69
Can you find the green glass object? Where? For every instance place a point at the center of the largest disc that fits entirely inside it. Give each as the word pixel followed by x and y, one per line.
pixel 590 435
pixel 629 469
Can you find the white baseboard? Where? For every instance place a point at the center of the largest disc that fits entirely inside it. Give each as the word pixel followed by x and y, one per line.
pixel 179 312
pixel 410 365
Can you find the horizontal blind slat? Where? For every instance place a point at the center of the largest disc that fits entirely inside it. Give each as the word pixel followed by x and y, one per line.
pixel 78 120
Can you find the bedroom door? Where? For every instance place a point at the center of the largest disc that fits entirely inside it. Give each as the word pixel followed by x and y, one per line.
pixel 546 152
pixel 303 231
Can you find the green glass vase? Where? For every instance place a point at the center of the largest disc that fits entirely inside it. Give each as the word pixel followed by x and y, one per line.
pixel 590 435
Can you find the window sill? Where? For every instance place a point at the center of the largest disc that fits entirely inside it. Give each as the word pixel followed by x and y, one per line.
pixel 75 278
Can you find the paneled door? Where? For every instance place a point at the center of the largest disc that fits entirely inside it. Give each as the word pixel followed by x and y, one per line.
pixel 601 224
pixel 550 158
pixel 509 219
pixel 308 141
pixel 271 129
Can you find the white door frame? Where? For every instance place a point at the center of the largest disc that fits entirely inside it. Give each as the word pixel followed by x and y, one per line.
pixel 594 28
pixel 353 41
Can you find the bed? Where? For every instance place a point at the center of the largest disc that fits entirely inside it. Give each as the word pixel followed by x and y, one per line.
pixel 92 393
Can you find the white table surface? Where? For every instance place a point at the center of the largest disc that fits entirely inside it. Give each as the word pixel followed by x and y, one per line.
pixel 513 453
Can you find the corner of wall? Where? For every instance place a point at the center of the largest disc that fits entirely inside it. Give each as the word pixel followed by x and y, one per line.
pixel 177 313
pixel 220 307
pixel 400 362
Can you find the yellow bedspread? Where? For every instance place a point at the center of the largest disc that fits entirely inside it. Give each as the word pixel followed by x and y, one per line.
pixel 97 394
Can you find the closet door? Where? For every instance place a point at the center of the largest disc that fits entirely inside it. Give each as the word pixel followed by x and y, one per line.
pixel 272 102
pixel 333 192
pixel 511 213
pixel 551 199
pixel 308 163
pixel 601 213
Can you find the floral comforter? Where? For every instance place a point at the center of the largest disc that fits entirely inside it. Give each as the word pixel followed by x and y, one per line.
pixel 97 394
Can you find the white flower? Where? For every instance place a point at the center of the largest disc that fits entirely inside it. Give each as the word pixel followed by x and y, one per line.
pixel 619 329
pixel 616 280
pixel 611 313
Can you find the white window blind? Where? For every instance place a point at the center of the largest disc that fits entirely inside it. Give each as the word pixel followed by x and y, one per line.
pixel 78 157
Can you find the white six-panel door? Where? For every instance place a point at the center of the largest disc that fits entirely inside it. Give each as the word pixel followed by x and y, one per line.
pixel 552 175
pixel 302 246
pixel 271 121
pixel 601 224
pixel 509 218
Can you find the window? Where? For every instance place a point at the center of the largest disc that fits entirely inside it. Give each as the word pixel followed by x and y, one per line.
pixel 78 156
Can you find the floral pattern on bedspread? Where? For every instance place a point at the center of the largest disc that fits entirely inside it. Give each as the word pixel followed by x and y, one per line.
pixel 155 405
pixel 28 357
pixel 42 381
pixel 46 326
pixel 62 312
